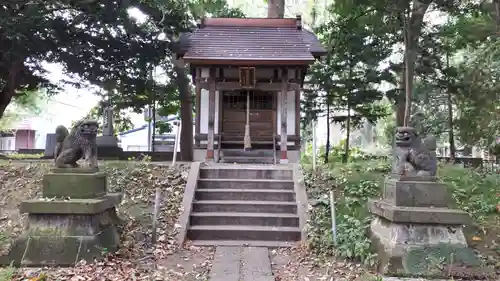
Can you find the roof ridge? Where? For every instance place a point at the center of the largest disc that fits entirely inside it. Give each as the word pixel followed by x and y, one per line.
pixel 249 22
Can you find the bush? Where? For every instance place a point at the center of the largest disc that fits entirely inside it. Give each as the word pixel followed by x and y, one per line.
pixel 24 156
pixel 473 190
pixel 353 184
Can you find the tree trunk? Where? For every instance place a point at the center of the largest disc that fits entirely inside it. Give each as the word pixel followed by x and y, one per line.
pixel 345 156
pixel 327 146
pixel 5 99
pixel 497 15
pixel 451 133
pixel 413 29
pixel 276 9
pixel 185 98
pixel 11 85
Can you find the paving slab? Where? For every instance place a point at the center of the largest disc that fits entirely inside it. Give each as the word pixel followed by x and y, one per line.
pixel 241 264
pixel 255 264
pixel 226 264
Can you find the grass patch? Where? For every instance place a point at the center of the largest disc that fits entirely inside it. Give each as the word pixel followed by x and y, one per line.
pixel 24 156
pixel 7 273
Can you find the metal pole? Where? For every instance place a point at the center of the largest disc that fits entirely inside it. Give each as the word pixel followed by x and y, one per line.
pixel 155 214
pixel 149 128
pixel 334 224
pixel 314 145
pixel 153 112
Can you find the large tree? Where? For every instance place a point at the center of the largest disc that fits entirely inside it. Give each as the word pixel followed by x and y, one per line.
pixel 99 42
pixel 180 88
pixel 348 76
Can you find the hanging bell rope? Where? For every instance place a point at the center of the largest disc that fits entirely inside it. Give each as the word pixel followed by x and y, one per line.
pixel 247 141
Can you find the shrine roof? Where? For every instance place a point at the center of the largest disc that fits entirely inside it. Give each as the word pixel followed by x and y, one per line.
pixel 280 41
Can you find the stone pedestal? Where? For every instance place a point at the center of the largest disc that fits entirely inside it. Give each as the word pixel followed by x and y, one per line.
pixel 415 230
pixel 76 219
pixel 50 146
pixel 107 147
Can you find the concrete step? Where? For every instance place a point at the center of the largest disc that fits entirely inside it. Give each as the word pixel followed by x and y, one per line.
pixel 260 219
pixel 245 184
pixel 248 153
pixel 247 160
pixel 247 243
pixel 244 206
pixel 246 173
pixel 243 232
pixel 245 195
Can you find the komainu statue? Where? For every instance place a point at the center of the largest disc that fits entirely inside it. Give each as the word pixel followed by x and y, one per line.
pixel 414 156
pixel 79 143
pixel 422 157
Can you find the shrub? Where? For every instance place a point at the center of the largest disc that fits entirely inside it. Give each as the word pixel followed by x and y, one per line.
pixel 353 184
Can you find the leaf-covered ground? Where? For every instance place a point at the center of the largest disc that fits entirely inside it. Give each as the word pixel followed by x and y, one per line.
pixel 137 258
pixel 297 264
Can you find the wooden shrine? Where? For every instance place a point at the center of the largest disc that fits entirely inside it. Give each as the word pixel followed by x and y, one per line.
pixel 248 74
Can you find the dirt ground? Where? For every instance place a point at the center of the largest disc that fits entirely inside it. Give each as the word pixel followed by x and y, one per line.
pixel 137 259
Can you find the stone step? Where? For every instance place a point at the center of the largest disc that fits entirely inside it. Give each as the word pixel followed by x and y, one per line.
pixel 260 219
pixel 245 184
pixel 246 173
pixel 248 153
pixel 244 206
pixel 245 195
pixel 243 232
pixel 247 243
pixel 247 160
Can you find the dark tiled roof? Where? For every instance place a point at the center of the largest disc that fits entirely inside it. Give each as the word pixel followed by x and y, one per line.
pixel 314 45
pixel 250 39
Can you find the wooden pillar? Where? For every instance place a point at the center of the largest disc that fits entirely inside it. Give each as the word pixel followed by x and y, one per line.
pixel 297 117
pixel 211 115
pixel 197 106
pixel 283 133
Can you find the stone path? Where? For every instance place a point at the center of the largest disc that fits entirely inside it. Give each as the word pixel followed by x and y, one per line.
pixel 254 264
pixel 241 264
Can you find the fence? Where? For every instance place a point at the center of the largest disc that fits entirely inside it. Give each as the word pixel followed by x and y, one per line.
pixel 486 165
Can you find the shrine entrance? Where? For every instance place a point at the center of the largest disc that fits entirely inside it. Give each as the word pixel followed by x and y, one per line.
pixel 259 108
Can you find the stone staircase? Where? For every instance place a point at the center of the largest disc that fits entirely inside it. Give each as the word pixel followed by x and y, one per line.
pixel 244 205
pixel 240 156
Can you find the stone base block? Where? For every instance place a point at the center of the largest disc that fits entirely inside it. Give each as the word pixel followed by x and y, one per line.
pixel 419 249
pixel 107 141
pixel 424 215
pixel 72 206
pixel 78 183
pixel 416 193
pixel 107 148
pixel 63 240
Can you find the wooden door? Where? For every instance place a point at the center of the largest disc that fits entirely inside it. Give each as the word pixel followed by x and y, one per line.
pixel 262 116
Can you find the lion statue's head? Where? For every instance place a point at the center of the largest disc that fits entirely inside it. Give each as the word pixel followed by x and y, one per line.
pixel 405 136
pixel 86 128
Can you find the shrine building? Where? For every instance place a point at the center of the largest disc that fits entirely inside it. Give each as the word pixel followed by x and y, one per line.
pixel 248 74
